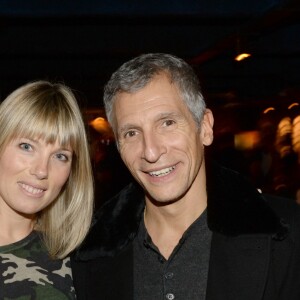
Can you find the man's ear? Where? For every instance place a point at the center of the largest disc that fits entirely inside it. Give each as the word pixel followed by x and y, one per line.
pixel 207 128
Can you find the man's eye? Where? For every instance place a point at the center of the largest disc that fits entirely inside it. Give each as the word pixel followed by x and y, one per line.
pixel 169 122
pixel 25 146
pixel 130 133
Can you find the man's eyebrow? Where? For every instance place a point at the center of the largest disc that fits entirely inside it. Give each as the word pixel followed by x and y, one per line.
pixel 172 115
pixel 165 115
pixel 127 127
pixel 160 116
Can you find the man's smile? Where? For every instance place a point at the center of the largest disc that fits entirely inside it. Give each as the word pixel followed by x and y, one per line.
pixel 162 172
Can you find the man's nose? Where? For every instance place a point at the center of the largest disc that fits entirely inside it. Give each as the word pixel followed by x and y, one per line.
pixel 153 147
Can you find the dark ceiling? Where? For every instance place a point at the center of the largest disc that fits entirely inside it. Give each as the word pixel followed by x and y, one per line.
pixel 83 42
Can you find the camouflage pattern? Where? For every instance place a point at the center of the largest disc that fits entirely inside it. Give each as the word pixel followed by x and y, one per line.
pixel 27 272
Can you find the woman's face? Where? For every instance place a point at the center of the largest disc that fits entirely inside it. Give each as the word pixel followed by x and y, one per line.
pixel 32 174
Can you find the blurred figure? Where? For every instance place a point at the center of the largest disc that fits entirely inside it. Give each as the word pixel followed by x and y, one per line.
pixel 108 168
pixel 46 191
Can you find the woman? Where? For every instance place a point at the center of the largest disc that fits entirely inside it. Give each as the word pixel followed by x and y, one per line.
pixel 46 191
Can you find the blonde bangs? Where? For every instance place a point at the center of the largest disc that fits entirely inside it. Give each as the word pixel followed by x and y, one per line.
pixel 48 118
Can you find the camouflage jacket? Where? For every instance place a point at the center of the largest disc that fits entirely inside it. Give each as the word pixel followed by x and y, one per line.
pixel 27 272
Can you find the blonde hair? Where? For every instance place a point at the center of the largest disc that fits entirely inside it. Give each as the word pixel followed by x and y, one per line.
pixel 50 111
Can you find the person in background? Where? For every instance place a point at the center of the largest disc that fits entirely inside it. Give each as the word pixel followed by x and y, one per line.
pixel 46 191
pixel 188 228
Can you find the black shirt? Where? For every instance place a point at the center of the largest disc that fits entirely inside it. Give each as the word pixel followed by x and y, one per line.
pixel 183 276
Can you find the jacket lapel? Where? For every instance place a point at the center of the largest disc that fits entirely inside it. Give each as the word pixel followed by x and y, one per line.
pixel 243 227
pixel 238 267
pixel 235 208
pixel 115 225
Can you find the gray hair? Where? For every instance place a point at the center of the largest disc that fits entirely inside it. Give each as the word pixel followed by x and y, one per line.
pixel 138 72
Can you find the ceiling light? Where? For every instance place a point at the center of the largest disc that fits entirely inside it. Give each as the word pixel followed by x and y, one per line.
pixel 242 56
pixel 293 105
pixel 268 109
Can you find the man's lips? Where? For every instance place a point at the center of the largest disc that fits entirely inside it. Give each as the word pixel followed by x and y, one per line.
pixel 162 172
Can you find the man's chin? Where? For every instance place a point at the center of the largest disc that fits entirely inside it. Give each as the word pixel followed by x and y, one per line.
pixel 159 200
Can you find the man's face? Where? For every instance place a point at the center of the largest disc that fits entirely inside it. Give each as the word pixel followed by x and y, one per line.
pixel 160 142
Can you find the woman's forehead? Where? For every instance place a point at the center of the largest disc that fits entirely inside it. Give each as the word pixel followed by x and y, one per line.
pixel 48 138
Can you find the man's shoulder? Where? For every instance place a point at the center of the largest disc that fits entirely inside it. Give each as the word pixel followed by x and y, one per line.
pixel 285 208
pixel 115 224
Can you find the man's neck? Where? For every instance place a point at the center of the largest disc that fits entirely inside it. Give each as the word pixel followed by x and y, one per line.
pixel 166 224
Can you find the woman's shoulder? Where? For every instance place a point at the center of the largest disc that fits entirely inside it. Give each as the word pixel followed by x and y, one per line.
pixel 26 266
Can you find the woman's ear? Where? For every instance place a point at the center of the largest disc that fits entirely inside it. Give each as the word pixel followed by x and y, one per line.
pixel 207 128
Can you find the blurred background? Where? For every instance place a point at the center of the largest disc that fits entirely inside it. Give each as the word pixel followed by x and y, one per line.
pixel 255 100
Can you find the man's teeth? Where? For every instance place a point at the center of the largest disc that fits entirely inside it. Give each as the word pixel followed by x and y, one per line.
pixel 162 172
pixel 31 189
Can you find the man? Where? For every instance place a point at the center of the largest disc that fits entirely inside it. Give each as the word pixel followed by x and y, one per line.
pixel 189 229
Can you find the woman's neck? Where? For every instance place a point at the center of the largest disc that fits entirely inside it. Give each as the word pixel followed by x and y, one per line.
pixel 14 228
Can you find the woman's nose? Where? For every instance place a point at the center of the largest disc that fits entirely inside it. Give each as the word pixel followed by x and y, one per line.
pixel 40 168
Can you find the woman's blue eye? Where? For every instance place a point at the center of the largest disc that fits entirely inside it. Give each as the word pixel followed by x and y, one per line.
pixel 63 157
pixel 25 146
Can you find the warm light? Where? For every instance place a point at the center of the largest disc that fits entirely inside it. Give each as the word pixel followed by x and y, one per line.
pixel 268 109
pixel 285 127
pixel 284 131
pixel 246 140
pixel 242 56
pixel 101 125
pixel 296 134
pixel 293 104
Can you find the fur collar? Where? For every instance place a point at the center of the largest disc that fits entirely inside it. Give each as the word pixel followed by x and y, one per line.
pixel 234 208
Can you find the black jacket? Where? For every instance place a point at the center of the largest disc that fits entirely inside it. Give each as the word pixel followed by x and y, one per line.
pixel 255 247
